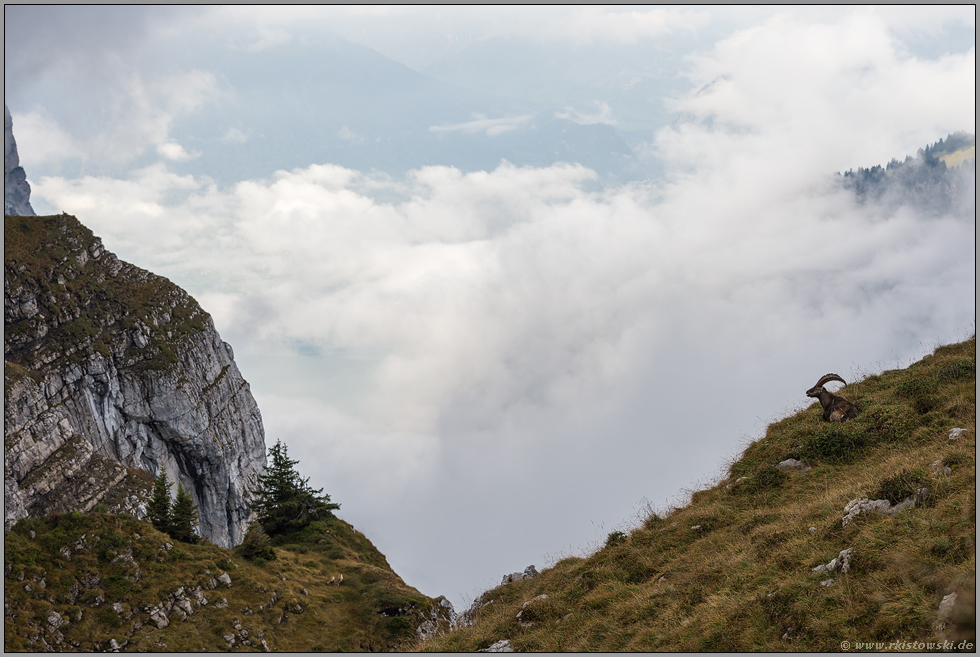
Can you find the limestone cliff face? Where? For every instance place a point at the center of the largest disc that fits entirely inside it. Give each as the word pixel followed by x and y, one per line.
pixel 16 190
pixel 111 373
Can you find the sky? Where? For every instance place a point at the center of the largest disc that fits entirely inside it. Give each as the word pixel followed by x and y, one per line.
pixel 507 279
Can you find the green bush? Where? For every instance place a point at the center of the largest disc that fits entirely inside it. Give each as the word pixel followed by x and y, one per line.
pixel 962 370
pixel 899 486
pixel 953 459
pixel 919 391
pixel 837 443
pixel 256 545
pixel 766 478
pixel 110 618
pixel 399 625
pixel 615 538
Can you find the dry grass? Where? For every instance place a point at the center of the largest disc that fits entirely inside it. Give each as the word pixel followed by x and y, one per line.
pixel 743 580
pixel 372 610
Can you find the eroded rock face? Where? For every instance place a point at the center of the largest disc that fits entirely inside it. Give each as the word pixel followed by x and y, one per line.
pixel 16 190
pixel 111 373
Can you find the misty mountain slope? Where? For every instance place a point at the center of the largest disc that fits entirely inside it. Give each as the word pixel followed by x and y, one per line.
pixel 734 570
pixel 92 582
pixel 940 179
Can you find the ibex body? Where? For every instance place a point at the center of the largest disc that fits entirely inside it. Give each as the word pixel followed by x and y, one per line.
pixel 835 409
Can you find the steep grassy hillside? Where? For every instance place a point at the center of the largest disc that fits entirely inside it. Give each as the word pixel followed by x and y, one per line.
pixel 78 582
pixel 733 570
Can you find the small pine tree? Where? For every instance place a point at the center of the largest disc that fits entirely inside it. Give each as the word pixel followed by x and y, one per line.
pixel 284 502
pixel 158 510
pixel 183 517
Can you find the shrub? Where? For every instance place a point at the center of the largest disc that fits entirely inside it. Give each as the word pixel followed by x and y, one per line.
pixel 899 486
pixel 615 538
pixel 256 545
pixel 961 370
pixel 838 443
pixel 919 391
pixel 956 458
pixel 399 625
pixel 766 478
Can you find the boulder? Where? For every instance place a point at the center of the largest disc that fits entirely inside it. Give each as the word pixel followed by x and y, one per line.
pixel 841 562
pixel 793 464
pixel 857 507
pixel 500 646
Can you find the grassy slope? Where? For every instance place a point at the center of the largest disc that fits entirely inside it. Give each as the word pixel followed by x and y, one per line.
pixel 373 609
pixel 743 580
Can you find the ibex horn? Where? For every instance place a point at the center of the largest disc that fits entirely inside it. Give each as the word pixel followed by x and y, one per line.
pixel 826 378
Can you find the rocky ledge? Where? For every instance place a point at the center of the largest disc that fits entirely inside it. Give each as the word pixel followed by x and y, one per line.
pixel 110 373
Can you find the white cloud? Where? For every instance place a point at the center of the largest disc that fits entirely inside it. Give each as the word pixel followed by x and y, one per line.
pixel 604 115
pixel 235 136
pixel 171 150
pixel 491 126
pixel 588 24
pixel 42 140
pixel 346 134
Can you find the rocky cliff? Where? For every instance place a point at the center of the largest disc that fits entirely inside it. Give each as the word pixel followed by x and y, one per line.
pixel 111 373
pixel 16 191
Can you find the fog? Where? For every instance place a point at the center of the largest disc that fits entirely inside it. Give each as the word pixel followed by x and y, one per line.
pixel 491 368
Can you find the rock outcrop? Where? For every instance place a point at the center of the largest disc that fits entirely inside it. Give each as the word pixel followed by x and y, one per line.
pixel 16 190
pixel 111 373
pixel 861 506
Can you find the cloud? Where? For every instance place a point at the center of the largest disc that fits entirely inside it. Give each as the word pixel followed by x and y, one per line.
pixel 600 24
pixel 346 134
pixel 171 150
pixel 41 138
pixel 235 136
pixel 491 126
pixel 604 115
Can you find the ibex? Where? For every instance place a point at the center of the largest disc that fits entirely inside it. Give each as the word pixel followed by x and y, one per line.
pixel 835 409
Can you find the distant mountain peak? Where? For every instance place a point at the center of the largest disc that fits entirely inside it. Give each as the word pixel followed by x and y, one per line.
pixel 16 190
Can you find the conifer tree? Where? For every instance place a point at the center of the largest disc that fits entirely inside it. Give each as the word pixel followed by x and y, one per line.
pixel 284 502
pixel 183 517
pixel 158 510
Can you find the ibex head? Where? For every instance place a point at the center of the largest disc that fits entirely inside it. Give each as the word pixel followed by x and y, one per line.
pixel 826 378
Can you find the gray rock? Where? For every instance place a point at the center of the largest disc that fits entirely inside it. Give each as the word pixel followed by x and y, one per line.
pixel 841 562
pixel 528 573
pixel 500 646
pixel 225 579
pixel 940 470
pixel 946 607
pixel 55 620
pixel 537 598
pixel 159 617
pixel 827 582
pixel 87 414
pixel 957 433
pixel 16 190
pixel 862 506
pixel 793 464
pixel 426 630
